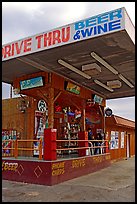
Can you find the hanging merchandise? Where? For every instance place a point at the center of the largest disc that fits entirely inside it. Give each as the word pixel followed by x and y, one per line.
pixel 70 129
pixel 58 108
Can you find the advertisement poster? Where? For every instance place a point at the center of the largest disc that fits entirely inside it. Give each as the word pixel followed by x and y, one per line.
pixel 39 130
pixel 72 87
pixel 8 135
pixel 41 122
pixel 114 140
pixel 122 139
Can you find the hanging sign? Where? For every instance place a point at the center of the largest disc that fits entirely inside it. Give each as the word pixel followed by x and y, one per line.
pixel 98 99
pixel 73 88
pixel 31 83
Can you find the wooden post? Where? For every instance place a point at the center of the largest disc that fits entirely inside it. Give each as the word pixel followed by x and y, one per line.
pixel 10 91
pixel 40 149
pixel 83 128
pixel 51 108
pixel 16 148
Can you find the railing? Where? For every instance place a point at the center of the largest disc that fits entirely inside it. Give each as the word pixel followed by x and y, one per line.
pixel 103 148
pixel 12 148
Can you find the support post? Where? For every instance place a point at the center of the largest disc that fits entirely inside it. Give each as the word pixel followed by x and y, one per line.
pixel 49 152
pixel 51 108
pixel 40 149
pixel 83 136
pixel 16 148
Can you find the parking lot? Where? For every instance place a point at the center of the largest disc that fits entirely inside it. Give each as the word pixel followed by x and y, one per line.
pixel 115 183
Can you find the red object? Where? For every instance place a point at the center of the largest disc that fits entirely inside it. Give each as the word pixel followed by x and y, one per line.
pixel 82 136
pixel 58 108
pixel 49 152
pixel 106 146
pixel 52 172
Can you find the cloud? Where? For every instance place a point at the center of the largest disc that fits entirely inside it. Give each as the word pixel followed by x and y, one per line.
pixel 26 19
pixel 124 107
pixel 23 19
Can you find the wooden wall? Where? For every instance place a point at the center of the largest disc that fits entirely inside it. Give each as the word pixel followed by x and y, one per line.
pixel 13 118
pixel 121 152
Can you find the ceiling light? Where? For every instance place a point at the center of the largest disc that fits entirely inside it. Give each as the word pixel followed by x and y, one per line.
pixel 103 62
pixel 125 80
pixel 103 85
pixel 69 66
pixel 91 69
pixel 114 84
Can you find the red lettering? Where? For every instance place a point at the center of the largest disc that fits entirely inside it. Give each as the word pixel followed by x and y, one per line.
pixel 7 51
pixel 47 37
pixel 67 34
pixel 18 48
pixel 27 44
pixel 3 52
pixel 56 36
pixel 12 53
pixel 38 38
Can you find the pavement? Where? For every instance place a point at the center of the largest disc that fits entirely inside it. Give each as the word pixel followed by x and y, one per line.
pixel 115 183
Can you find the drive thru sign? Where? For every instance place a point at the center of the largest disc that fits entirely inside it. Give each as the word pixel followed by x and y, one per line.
pixel 81 30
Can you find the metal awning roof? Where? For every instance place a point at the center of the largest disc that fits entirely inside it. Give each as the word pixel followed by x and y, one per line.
pixel 116 48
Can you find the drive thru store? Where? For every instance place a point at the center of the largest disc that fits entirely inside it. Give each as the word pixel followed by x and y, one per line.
pixel 64 77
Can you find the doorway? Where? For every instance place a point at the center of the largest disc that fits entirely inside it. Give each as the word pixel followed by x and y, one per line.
pixel 128 145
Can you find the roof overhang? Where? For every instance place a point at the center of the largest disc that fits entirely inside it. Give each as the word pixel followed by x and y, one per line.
pixel 111 51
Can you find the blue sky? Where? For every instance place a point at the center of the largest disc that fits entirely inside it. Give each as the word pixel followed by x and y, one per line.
pixel 22 19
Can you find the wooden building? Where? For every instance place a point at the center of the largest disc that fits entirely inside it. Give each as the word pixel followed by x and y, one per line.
pixel 121 134
pixel 24 115
pixel 119 131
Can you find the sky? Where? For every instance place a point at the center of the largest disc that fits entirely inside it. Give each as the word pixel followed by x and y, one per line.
pixel 23 19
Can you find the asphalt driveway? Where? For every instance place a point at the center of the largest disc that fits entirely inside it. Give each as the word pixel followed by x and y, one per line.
pixel 115 183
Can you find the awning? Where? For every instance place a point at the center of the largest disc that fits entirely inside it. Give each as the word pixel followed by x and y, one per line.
pixel 103 61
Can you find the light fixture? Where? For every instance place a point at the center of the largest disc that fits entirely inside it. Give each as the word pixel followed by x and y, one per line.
pixel 103 85
pixel 91 69
pixel 69 66
pixel 125 80
pixel 114 84
pixel 103 62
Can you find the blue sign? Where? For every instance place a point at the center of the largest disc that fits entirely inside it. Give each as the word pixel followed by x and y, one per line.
pixel 98 99
pixel 31 83
pixel 98 25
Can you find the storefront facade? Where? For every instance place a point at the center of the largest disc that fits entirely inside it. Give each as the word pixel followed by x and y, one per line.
pixel 64 78
pixel 66 111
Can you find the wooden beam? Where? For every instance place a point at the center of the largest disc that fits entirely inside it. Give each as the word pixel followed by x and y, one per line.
pixel 51 108
pixel 58 94
pixel 83 122
pixel 43 96
pixel 75 105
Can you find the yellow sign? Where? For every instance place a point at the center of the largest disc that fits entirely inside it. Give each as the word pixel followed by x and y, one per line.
pixel 6 166
pixel 78 163
pixel 58 168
